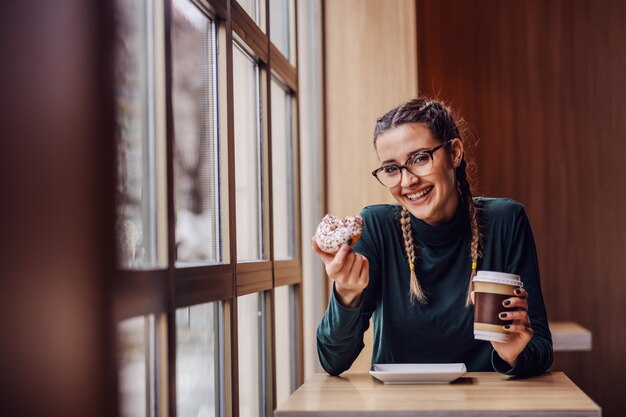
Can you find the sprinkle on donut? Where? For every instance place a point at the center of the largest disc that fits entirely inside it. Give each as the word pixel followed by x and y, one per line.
pixel 332 232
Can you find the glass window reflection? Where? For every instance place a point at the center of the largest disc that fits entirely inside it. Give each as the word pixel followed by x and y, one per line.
pixel 197 361
pixel 248 171
pixel 285 341
pixel 135 136
pixel 281 30
pixel 196 148
pixel 283 187
pixel 136 369
pixel 250 335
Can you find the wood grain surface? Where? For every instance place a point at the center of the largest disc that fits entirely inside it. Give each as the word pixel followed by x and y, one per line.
pixel 474 394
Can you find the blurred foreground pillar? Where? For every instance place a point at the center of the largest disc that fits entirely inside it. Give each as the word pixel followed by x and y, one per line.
pixel 56 239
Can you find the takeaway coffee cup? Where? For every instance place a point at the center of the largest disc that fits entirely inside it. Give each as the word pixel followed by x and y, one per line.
pixel 490 290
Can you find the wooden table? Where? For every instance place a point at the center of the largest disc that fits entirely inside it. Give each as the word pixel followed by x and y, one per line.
pixel 569 336
pixel 476 394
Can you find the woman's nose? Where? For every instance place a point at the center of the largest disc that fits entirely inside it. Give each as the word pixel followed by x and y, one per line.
pixel 408 179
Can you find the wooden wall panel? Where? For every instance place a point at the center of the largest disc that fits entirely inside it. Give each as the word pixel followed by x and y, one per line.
pixel 370 66
pixel 542 85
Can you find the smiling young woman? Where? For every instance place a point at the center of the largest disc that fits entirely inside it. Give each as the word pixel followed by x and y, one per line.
pixel 412 269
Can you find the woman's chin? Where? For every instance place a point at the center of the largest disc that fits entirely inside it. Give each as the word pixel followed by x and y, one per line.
pixel 422 212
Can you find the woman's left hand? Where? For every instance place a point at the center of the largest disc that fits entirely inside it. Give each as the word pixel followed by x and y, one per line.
pixel 519 331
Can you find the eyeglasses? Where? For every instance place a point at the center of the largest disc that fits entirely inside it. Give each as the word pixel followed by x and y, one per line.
pixel 419 164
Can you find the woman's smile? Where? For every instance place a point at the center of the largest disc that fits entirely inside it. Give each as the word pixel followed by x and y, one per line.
pixel 419 197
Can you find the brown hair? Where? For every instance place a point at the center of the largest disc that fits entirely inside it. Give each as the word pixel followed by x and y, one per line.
pixel 441 123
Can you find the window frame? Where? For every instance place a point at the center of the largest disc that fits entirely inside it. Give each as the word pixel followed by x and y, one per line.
pixel 160 291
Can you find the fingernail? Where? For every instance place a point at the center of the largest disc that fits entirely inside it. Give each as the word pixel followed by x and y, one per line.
pixel 506 302
pixel 502 315
pixel 517 291
pixel 506 327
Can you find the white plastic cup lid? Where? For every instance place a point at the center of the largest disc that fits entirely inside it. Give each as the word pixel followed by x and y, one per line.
pixel 498 278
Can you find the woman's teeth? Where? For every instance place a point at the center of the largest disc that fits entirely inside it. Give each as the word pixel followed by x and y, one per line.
pixel 420 194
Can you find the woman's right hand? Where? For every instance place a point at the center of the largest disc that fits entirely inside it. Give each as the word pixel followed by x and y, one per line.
pixel 350 272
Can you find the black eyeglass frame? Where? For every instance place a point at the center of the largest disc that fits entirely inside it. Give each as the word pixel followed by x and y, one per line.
pixel 430 153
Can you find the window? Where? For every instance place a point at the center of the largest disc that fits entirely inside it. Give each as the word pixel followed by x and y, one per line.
pixel 196 147
pixel 283 172
pixel 137 373
pixel 282 27
pixel 248 156
pixel 136 222
pixel 199 100
pixel 285 343
pixel 198 360
pixel 251 338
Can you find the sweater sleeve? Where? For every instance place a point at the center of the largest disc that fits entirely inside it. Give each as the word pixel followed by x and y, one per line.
pixel 537 357
pixel 340 333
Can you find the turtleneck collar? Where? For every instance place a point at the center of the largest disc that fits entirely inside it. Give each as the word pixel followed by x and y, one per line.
pixel 445 232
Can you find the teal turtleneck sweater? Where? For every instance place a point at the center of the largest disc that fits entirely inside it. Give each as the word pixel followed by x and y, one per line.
pixel 442 330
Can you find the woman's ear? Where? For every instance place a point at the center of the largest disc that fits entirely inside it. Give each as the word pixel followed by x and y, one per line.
pixel 456 149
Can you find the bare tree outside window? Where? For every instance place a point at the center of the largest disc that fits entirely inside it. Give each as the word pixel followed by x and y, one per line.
pixel 135 223
pixel 196 147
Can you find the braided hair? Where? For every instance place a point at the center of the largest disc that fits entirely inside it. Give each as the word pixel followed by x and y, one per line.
pixel 438 117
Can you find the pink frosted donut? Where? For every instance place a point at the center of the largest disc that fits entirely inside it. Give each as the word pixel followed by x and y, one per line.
pixel 332 232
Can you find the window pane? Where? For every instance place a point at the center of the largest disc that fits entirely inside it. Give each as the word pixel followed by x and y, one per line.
pixel 251 352
pixel 197 361
pixel 135 138
pixel 282 173
pixel 285 346
pixel 279 25
pixel 248 175
pixel 196 147
pixel 136 350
